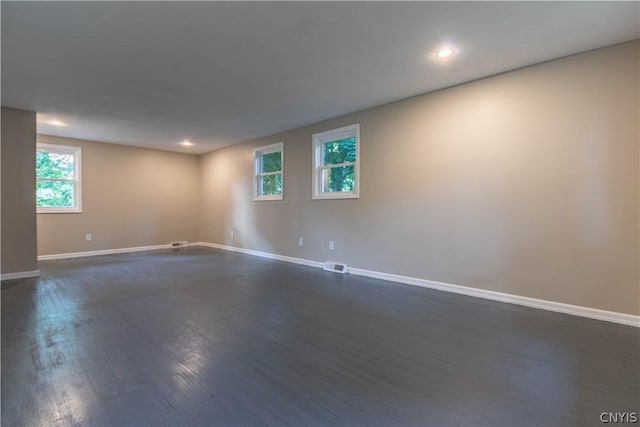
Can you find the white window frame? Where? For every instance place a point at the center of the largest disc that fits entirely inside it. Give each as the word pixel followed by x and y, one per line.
pixel 76 152
pixel 318 140
pixel 257 173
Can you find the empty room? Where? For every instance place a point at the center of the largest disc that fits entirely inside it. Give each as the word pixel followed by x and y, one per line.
pixel 320 213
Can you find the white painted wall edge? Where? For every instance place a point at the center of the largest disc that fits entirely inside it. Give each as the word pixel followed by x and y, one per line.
pixel 103 252
pixel 19 275
pixel 575 310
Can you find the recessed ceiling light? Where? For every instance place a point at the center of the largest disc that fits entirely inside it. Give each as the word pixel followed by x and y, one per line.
pixel 56 123
pixel 186 143
pixel 445 53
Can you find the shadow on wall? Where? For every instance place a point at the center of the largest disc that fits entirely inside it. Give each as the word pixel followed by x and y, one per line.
pixel 241 230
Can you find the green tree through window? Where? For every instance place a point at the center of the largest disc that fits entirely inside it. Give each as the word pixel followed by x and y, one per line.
pixel 339 178
pixel 336 163
pixel 56 177
pixel 272 184
pixel 268 172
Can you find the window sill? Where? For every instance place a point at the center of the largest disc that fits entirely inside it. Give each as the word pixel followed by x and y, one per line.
pixel 336 195
pixel 58 210
pixel 267 198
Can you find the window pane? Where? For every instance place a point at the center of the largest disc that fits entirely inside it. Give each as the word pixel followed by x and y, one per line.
pixel 341 151
pixel 54 165
pixel 338 179
pixel 271 185
pixel 54 194
pixel 272 162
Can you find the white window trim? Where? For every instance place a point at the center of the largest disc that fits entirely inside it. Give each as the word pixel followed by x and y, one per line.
pixel 77 173
pixel 317 140
pixel 257 155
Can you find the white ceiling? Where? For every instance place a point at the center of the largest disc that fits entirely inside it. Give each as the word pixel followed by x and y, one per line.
pixel 154 73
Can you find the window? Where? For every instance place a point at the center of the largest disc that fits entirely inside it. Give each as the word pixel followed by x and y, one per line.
pixel 58 179
pixel 267 181
pixel 336 162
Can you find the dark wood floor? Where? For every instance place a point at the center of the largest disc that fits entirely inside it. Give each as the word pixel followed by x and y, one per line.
pixel 204 337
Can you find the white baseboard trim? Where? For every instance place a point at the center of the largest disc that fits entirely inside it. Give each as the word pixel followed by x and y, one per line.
pixel 575 310
pixel 262 254
pixel 19 275
pixel 103 252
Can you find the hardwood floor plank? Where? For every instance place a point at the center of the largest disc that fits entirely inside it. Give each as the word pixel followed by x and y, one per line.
pixel 205 337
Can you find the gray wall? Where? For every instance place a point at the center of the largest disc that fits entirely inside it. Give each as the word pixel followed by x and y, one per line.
pixel 18 152
pixel 525 183
pixel 131 197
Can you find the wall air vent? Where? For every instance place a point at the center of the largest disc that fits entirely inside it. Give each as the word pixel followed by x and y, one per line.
pixel 180 244
pixel 336 267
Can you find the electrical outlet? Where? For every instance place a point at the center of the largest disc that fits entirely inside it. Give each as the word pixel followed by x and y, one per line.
pixel 88 237
pixel 300 241
pixel 330 245
pixel 232 234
